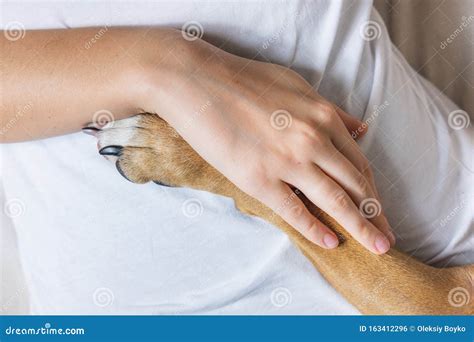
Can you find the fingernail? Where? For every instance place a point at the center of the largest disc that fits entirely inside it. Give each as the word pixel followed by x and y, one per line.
pixel 330 241
pixel 382 244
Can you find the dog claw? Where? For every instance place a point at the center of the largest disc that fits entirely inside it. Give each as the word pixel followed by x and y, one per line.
pixel 90 130
pixel 119 169
pixel 112 150
pixel 162 184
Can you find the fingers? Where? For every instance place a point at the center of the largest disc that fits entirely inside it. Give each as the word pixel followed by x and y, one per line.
pixel 349 148
pixel 351 151
pixel 360 189
pixel 286 203
pixel 355 127
pixel 331 198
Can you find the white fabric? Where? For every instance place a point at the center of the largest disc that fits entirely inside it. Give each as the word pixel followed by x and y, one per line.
pixel 91 242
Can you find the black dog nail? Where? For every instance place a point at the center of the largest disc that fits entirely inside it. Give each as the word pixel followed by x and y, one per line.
pixel 162 184
pixel 90 130
pixel 119 169
pixel 112 150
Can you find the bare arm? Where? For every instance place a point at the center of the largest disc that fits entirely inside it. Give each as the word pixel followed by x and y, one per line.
pixel 394 283
pixel 233 111
pixel 52 84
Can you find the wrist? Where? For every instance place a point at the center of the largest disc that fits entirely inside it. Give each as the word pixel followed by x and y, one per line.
pixel 141 75
pixel 168 65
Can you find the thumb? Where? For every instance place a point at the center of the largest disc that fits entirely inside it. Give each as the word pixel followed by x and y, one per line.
pixel 355 127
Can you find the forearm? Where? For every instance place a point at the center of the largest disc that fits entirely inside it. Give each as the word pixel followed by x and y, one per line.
pixel 53 83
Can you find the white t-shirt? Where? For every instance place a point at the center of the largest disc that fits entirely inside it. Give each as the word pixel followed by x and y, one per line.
pixel 93 243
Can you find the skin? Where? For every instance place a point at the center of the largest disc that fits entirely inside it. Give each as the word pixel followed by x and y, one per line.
pixel 393 283
pixel 52 84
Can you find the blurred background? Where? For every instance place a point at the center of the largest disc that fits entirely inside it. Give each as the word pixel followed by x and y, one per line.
pixel 436 37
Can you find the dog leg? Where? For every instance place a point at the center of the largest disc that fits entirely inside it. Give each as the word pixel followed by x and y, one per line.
pixel 145 148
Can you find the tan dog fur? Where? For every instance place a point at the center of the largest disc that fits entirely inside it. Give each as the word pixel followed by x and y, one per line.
pixel 394 283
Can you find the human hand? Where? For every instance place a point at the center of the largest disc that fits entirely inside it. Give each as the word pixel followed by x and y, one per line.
pixel 264 128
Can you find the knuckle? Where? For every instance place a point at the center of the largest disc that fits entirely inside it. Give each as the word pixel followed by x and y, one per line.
pixel 326 108
pixel 309 137
pixel 291 207
pixel 326 117
pixel 305 141
pixel 311 229
pixel 321 141
pixel 340 201
pixel 362 230
pixel 363 184
pixel 296 211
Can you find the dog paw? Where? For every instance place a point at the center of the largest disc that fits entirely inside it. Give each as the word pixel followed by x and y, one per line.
pixel 145 148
